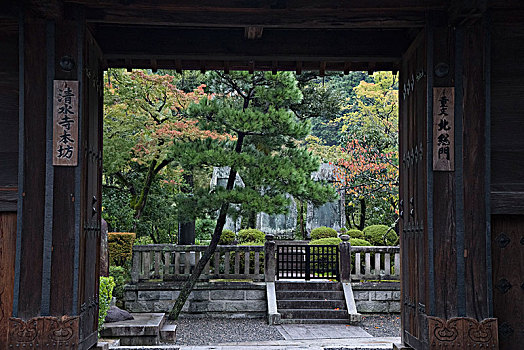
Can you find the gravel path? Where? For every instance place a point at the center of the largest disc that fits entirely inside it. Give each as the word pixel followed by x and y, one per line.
pixel 381 325
pixel 208 331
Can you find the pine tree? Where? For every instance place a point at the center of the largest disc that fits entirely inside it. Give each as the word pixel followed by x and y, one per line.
pixel 256 110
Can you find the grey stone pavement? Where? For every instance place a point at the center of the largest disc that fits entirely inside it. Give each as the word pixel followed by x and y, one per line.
pixel 301 336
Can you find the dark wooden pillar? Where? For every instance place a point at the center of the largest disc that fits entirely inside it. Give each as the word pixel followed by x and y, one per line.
pixel 8 165
pixel 55 295
pixel 445 243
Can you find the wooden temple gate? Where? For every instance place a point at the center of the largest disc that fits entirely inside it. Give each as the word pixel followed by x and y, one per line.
pixel 461 144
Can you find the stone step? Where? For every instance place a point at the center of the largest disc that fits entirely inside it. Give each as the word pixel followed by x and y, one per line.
pixel 309 295
pixel 314 321
pixel 311 304
pixel 143 330
pixel 308 286
pixel 312 314
pixel 168 333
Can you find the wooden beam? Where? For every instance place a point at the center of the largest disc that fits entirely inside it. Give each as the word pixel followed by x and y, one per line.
pixel 253 33
pixel 264 18
pixel 119 42
pixel 247 65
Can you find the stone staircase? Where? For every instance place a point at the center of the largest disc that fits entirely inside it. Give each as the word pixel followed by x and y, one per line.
pixel 311 302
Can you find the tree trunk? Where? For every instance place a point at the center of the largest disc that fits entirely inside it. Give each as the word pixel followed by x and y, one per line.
pixel 210 250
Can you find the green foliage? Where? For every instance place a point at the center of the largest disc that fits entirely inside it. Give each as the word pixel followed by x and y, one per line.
pixel 120 276
pixel 120 246
pixel 357 242
pixel 323 232
pixel 251 235
pixel 105 294
pixel 227 237
pixel 325 241
pixel 204 228
pixel 376 234
pixel 256 110
pixel 355 233
pixel 144 240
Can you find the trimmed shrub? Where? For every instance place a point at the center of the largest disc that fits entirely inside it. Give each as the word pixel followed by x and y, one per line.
pixel 326 241
pixel 323 232
pixel 227 237
pixel 251 235
pixel 357 242
pixel 376 234
pixel 105 294
pixel 355 233
pixel 334 241
pixel 120 276
pixel 120 246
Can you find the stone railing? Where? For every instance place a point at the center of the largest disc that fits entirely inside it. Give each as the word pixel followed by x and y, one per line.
pixel 378 263
pixel 168 262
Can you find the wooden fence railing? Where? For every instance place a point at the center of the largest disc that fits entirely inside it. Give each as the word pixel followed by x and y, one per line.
pixel 168 262
pixel 165 262
pixel 378 263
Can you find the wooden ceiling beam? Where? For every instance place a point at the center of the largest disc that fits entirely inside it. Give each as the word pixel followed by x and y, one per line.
pixel 261 18
pixel 228 44
pixel 251 66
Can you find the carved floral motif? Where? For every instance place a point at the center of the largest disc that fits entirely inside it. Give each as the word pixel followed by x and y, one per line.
pixel 44 333
pixel 462 333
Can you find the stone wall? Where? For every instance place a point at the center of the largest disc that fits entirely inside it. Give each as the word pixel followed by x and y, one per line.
pixel 214 299
pixel 381 297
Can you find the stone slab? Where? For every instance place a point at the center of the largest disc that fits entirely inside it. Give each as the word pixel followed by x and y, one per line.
pixel 315 331
pixel 168 333
pixel 144 325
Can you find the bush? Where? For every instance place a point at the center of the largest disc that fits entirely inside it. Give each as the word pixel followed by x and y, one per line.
pixel 144 240
pixel 120 246
pixel 251 235
pixel 343 231
pixel 227 237
pixel 355 233
pixel 120 276
pixel 357 242
pixel 376 235
pixel 323 232
pixel 105 294
pixel 326 241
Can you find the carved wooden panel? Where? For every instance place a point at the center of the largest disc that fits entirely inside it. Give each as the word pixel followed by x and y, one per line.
pixel 462 333
pixel 43 333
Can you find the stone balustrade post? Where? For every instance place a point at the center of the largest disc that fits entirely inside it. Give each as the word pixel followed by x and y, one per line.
pixel 270 260
pixel 345 259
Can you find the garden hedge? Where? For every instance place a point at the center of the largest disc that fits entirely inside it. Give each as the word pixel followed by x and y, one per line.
pixel 251 235
pixel 355 233
pixel 376 234
pixel 120 246
pixel 227 237
pixel 323 232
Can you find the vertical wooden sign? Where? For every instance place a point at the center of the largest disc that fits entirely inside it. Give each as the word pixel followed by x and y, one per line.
pixel 444 129
pixel 65 123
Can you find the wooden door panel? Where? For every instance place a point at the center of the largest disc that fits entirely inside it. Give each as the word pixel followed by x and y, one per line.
pixel 412 150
